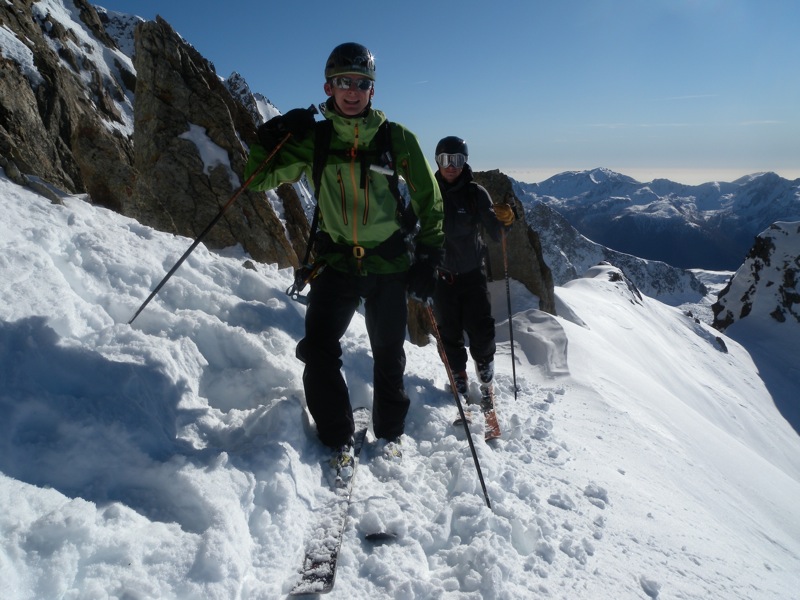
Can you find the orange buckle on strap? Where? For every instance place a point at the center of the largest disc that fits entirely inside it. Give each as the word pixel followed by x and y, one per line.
pixel 359 252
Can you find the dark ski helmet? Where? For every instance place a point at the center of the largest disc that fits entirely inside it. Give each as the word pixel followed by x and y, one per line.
pixel 350 59
pixel 452 145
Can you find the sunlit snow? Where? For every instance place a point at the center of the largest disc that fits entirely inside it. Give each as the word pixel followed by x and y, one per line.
pixel 174 458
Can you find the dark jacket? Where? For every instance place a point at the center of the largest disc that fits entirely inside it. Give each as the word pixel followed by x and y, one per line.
pixel 467 206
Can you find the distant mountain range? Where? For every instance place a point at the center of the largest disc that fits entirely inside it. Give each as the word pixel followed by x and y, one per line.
pixel 710 226
pixel 569 254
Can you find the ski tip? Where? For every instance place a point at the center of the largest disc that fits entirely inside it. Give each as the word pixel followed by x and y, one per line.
pixel 381 537
pixel 308 592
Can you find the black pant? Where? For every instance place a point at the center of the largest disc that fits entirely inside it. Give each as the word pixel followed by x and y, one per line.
pixel 462 303
pixel 333 300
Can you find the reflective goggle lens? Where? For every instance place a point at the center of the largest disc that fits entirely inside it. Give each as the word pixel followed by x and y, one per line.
pixel 347 83
pixel 447 160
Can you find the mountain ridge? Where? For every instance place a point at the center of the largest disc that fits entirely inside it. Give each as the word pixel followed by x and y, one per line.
pixel 175 458
pixel 709 226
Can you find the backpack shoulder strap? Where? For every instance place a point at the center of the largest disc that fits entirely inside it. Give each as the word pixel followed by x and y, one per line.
pixel 386 156
pixel 323 131
pixel 383 157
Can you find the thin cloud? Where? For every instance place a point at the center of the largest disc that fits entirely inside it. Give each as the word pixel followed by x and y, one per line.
pixel 765 122
pixel 636 125
pixel 693 97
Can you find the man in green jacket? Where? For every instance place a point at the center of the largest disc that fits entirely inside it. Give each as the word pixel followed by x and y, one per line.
pixel 360 241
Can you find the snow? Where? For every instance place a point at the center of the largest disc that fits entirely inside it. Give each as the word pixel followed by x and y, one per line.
pixel 121 27
pixel 210 153
pixel 265 108
pixel 12 48
pixel 106 60
pixel 174 458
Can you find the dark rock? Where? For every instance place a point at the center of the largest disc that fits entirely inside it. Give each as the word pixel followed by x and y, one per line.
pixel 767 283
pixel 68 123
pixel 181 107
pixel 523 246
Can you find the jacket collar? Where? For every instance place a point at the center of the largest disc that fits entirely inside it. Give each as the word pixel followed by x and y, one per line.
pixel 367 123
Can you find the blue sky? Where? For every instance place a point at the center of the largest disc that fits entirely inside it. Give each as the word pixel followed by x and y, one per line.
pixel 691 90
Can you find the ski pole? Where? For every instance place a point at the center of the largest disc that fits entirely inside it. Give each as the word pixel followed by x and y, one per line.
pixel 510 324
pixel 442 354
pixel 236 194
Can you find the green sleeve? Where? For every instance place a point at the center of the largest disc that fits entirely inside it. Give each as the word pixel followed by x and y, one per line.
pixel 287 166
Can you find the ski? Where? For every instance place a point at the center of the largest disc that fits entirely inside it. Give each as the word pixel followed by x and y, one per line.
pixel 318 573
pixel 489 415
pixel 492 426
pixel 492 431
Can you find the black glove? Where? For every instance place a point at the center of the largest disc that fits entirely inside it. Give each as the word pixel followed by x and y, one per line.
pixel 422 274
pixel 298 122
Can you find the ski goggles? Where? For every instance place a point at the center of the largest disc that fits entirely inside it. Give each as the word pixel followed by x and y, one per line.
pixel 451 160
pixel 348 83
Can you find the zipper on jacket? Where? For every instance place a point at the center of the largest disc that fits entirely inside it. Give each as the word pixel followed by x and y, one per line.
pixel 354 183
pixel 409 180
pixel 342 195
pixel 358 251
pixel 366 202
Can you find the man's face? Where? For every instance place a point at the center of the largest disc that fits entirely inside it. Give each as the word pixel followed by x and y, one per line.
pixel 347 92
pixel 451 165
pixel 450 173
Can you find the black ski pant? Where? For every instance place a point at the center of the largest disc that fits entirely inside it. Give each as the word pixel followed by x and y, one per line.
pixel 332 302
pixel 462 303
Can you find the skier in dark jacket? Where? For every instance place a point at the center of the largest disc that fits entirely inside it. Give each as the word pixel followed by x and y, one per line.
pixel 360 242
pixel 461 299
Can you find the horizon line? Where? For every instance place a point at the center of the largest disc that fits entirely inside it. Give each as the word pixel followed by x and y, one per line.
pixel 683 175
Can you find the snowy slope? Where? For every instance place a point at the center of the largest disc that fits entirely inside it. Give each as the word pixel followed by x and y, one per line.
pixel 174 459
pixel 760 307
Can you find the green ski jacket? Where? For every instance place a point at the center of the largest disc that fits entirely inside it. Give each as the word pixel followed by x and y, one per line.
pixel 357 211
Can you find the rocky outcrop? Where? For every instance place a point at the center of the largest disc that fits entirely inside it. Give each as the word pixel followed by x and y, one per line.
pixel 188 151
pixel 523 247
pixel 767 285
pixel 66 113
pixel 760 308
pixel 68 126
pixel 259 107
